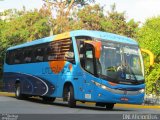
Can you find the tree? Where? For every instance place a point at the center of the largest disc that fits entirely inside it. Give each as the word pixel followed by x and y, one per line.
pixel 116 22
pixel 152 75
pixel 29 26
pixel 63 9
pixel 90 17
pixel 93 18
pixel 149 35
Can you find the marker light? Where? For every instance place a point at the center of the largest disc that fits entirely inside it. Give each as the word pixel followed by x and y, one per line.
pixel 141 90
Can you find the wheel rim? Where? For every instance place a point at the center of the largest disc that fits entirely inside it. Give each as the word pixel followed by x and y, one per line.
pixel 68 96
pixel 18 91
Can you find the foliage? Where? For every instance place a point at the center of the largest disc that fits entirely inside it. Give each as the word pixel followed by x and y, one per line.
pixel 115 22
pixel 63 9
pixel 91 17
pixel 152 75
pixel 31 25
pixel 148 37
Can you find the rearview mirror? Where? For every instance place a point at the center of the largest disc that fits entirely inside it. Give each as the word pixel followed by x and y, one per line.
pixel 151 55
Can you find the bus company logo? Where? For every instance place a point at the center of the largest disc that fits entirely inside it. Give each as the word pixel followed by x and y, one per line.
pixel 57 66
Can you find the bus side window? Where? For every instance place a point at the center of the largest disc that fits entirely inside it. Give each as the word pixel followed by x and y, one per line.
pixel 28 56
pixel 39 55
pixel 17 57
pixel 57 50
pixel 9 55
pixel 49 54
pixel 71 51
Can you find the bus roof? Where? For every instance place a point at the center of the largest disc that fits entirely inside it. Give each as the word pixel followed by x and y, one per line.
pixel 91 33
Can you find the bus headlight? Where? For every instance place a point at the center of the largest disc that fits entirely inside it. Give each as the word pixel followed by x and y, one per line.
pixel 141 90
pixel 100 85
pixel 103 87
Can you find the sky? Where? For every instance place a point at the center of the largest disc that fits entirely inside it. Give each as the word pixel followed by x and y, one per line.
pixel 140 10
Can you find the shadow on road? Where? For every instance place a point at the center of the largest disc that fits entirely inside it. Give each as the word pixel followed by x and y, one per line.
pixel 79 106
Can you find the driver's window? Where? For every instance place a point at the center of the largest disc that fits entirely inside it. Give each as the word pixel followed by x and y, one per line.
pixel 89 54
pixel 88 61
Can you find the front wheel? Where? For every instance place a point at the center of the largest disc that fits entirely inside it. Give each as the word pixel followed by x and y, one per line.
pixel 70 97
pixel 109 106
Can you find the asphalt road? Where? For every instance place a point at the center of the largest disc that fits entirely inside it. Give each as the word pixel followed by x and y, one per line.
pixel 36 106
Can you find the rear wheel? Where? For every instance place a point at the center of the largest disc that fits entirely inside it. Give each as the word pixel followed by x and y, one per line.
pixel 70 97
pixel 18 92
pixel 109 106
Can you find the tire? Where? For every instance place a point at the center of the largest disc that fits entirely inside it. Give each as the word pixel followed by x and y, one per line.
pixel 18 92
pixel 109 106
pixel 48 99
pixel 70 97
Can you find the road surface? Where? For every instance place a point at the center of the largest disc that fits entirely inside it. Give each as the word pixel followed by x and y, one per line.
pixel 36 106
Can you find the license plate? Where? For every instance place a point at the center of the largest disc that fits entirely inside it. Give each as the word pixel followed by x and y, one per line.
pixel 124 99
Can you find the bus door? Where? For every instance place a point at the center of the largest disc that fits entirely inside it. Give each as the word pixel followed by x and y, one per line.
pixel 87 62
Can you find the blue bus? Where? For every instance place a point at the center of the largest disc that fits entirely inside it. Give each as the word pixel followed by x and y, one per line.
pixel 81 65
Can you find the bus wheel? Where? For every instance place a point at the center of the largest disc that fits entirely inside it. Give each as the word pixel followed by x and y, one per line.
pixel 18 93
pixel 109 106
pixel 48 99
pixel 70 97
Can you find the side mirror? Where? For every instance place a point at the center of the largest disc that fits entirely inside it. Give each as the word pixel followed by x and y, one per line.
pixel 97 46
pixel 151 55
pixel 69 55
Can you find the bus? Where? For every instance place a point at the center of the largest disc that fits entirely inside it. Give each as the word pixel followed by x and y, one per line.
pixel 80 65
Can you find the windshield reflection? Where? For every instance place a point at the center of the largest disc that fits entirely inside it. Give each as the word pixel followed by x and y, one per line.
pixel 121 62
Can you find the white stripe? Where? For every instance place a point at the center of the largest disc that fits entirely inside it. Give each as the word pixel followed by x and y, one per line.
pixel 40 80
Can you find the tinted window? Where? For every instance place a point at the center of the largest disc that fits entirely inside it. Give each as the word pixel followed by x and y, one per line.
pixel 17 57
pixel 9 55
pixel 14 57
pixel 28 56
pixel 56 50
pixel 38 53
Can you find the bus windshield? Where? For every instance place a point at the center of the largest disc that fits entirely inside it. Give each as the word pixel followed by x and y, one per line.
pixel 121 62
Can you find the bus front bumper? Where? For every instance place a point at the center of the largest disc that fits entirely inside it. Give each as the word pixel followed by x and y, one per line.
pixel 126 97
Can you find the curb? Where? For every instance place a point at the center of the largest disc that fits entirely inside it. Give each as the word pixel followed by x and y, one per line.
pixel 91 103
pixel 7 94
pixel 137 106
pixel 129 106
